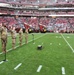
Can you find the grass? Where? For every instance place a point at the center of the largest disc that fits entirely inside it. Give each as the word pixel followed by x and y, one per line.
pixel 54 55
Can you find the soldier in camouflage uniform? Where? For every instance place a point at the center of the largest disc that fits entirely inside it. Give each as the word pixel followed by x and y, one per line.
pixel 20 36
pixel 26 36
pixel 3 32
pixel 13 35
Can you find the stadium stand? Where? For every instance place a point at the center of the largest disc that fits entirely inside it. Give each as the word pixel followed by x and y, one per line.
pixel 60 23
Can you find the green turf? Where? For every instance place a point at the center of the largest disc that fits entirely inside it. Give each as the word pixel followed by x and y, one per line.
pixel 55 54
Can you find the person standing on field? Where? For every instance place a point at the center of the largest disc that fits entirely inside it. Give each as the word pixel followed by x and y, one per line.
pixel 13 35
pixel 20 36
pixel 26 36
pixel 3 36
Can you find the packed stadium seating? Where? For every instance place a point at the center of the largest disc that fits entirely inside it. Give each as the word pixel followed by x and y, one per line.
pixel 36 1
pixel 54 23
pixel 57 23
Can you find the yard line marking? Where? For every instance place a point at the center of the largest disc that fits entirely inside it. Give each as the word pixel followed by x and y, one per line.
pixel 50 43
pixel 17 66
pixel 23 44
pixel 68 37
pixel 16 46
pixel 67 43
pixel 59 44
pixel 1 62
pixel 39 68
pixel 9 50
pixel 63 71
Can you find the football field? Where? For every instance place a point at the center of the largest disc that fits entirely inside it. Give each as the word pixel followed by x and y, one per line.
pixel 55 58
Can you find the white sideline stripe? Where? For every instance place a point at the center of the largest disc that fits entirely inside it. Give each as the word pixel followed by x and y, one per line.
pixel 1 62
pixel 9 50
pixel 63 71
pixel 39 68
pixel 67 43
pixel 22 44
pixel 17 66
pixel 16 46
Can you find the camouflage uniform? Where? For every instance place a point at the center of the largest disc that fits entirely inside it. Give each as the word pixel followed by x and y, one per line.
pixel 20 36
pixel 13 35
pixel 26 36
pixel 3 31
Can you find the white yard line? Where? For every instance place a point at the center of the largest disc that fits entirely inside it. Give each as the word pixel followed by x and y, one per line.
pixel 67 43
pixel 63 71
pixel 50 43
pixel 17 66
pixel 59 43
pixel 39 68
pixel 23 44
pixel 1 62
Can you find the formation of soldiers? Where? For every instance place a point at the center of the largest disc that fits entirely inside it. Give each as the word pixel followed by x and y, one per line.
pixel 4 35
